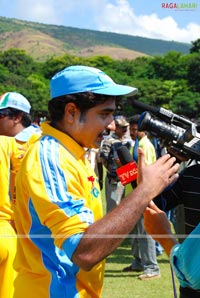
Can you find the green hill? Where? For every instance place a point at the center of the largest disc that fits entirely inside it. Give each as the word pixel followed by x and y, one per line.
pixel 43 41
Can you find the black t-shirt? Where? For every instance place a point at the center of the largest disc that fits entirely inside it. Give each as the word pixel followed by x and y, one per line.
pixel 186 191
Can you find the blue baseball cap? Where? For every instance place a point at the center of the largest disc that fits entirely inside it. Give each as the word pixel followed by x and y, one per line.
pixel 79 78
pixel 14 100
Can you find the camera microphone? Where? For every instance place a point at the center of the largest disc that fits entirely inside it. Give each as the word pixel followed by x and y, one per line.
pixel 144 106
pixel 128 172
pixel 161 112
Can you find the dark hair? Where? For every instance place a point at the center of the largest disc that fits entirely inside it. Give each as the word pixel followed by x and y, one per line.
pixel 134 119
pixel 12 113
pixel 83 101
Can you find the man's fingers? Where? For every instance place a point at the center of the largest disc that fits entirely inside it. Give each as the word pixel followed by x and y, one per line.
pixel 141 158
pixel 171 166
pixel 163 159
pixel 173 178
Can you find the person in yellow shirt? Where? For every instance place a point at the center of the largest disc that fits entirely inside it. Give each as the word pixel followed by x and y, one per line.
pixel 142 244
pixel 15 121
pixel 58 211
pixel 8 154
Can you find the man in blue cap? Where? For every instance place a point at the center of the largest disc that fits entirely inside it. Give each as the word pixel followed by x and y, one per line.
pixel 58 205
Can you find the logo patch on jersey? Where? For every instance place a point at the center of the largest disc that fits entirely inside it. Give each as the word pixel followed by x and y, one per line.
pixel 94 191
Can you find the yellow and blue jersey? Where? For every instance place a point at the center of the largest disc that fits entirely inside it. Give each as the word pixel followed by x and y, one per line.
pixel 8 242
pixel 23 140
pixel 9 154
pixel 57 198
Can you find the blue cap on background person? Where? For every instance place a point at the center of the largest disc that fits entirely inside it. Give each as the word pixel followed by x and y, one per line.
pixel 14 100
pixel 78 78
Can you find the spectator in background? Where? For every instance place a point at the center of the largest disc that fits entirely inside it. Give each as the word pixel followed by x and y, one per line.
pixel 59 206
pixel 15 121
pixel 159 152
pixel 9 153
pixel 143 245
pixel 114 190
pixel 16 118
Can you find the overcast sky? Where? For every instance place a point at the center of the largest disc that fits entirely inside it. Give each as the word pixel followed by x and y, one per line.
pixel 134 17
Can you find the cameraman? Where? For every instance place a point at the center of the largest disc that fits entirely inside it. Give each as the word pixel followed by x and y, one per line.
pixel 186 190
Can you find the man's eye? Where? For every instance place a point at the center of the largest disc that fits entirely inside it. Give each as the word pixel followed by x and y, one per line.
pixel 104 115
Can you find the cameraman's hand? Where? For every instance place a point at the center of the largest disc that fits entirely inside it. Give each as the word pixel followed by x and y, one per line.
pixel 156 222
pixel 158 175
pixel 157 225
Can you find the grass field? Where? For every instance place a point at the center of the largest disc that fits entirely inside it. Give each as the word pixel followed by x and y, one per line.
pixel 118 284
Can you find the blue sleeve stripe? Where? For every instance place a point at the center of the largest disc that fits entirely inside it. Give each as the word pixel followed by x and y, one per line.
pixel 55 182
pixel 54 177
pixel 70 244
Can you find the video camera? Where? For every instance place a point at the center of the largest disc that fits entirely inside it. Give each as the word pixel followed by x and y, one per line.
pixel 178 134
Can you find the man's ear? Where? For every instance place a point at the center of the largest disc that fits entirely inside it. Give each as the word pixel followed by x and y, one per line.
pixel 70 112
pixel 17 118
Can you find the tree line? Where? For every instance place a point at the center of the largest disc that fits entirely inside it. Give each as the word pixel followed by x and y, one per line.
pixel 171 81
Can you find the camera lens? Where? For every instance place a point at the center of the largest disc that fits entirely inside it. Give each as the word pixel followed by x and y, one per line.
pixel 160 129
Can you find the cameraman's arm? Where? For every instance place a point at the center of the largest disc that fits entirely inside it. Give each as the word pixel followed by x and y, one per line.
pixel 158 226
